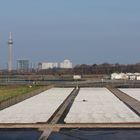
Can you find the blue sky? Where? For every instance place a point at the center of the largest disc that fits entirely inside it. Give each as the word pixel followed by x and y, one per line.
pixel 84 31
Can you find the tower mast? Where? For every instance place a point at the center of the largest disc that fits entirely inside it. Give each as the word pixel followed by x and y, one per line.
pixel 10 56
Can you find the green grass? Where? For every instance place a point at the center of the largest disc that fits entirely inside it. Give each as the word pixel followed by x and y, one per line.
pixel 7 92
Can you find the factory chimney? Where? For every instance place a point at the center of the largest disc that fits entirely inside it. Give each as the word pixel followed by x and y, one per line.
pixel 10 55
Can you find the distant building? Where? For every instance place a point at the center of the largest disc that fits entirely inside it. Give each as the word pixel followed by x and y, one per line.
pixel 119 76
pixel 50 65
pixel 23 65
pixel 125 76
pixel 66 64
pixel 47 65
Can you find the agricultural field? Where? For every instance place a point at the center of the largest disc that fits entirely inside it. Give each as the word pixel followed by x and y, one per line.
pixel 8 92
pixel 38 108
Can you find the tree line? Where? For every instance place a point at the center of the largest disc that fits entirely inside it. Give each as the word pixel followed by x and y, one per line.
pixel 84 69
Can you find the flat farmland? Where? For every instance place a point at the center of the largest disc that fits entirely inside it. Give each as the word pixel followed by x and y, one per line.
pixel 8 92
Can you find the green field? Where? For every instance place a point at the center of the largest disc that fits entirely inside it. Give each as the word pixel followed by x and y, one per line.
pixel 8 92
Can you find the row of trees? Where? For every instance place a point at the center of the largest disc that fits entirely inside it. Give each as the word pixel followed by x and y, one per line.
pixel 106 68
pixel 82 69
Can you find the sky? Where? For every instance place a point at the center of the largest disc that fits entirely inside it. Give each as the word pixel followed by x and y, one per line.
pixel 84 31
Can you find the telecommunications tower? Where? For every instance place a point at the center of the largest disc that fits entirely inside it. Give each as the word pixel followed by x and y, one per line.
pixel 10 53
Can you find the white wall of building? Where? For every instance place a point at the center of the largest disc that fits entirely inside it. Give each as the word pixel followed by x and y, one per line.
pixel 66 64
pixel 125 76
pixel 49 65
pixel 138 77
pixel 119 76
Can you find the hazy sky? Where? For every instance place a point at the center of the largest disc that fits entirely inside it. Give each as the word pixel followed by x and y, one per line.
pixel 84 31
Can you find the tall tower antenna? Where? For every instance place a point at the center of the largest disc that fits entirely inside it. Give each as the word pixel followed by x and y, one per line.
pixel 10 56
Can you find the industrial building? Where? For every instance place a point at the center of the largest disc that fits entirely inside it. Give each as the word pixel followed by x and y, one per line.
pixel 66 64
pixel 47 65
pixel 125 76
pixel 22 65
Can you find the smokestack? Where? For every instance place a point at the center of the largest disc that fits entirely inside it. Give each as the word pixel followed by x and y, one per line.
pixel 10 56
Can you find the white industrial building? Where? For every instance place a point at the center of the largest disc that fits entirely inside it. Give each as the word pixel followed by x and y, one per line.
pixel 47 65
pixel 119 76
pixel 66 64
pixel 125 76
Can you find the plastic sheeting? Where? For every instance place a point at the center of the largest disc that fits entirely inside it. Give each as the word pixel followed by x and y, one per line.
pixel 36 109
pixel 133 92
pixel 99 105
